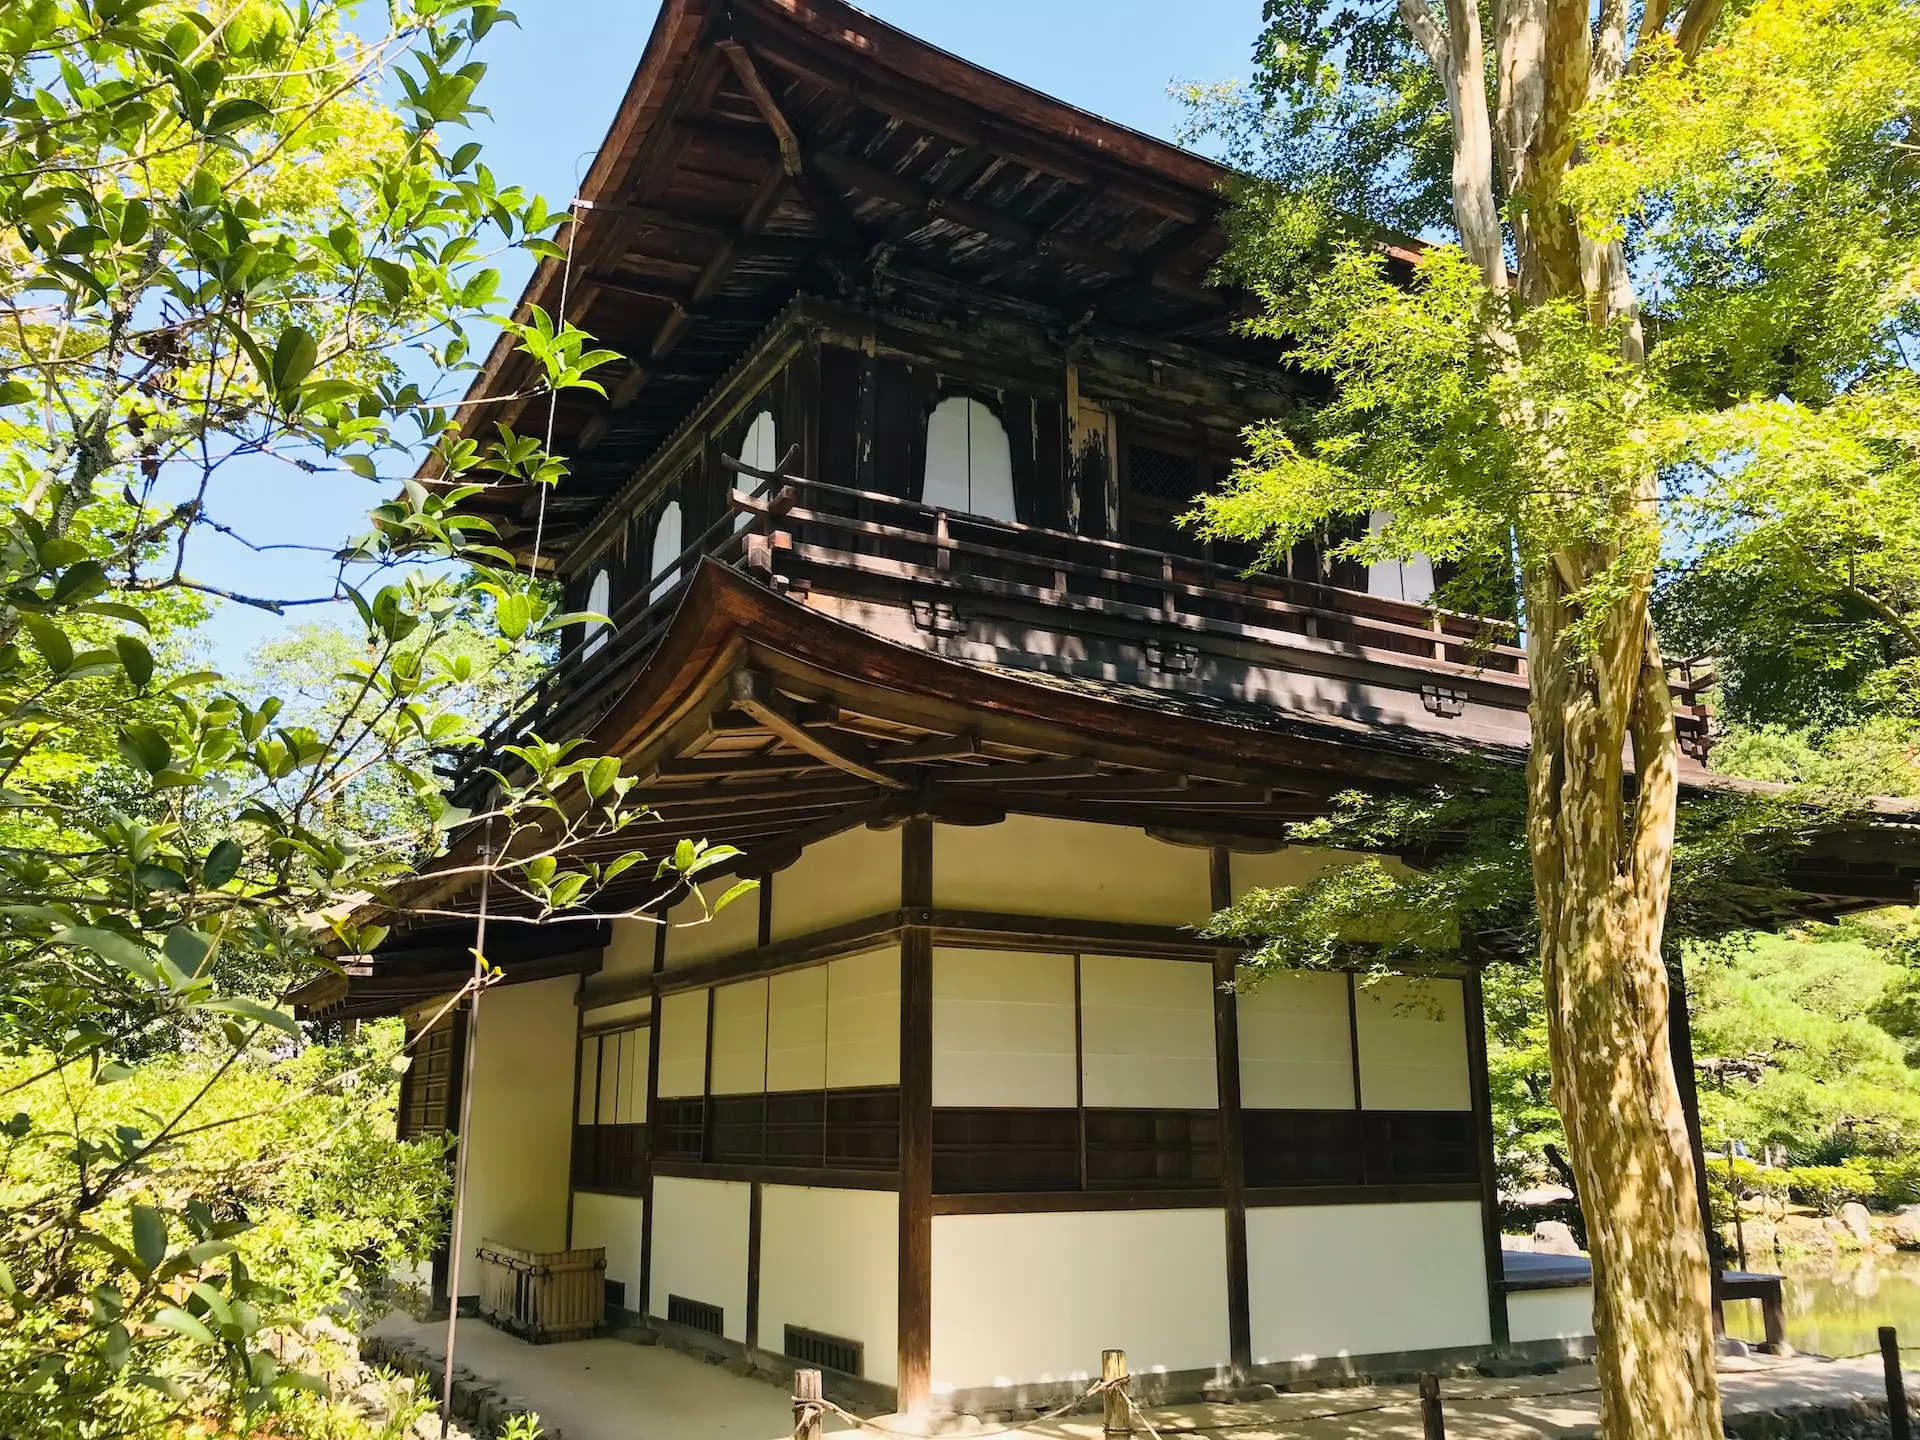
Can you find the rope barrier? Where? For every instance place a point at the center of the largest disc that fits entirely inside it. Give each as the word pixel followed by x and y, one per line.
pixel 1099 1387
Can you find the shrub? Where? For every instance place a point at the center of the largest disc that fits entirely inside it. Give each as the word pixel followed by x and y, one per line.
pixel 1827 1187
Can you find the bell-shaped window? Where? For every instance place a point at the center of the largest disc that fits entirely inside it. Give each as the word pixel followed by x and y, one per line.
pixel 969 460
pixel 666 551
pixel 760 449
pixel 599 597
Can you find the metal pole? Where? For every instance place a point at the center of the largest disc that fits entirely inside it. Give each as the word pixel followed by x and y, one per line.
pixel 466 1116
pixel 1897 1418
pixel 1733 1196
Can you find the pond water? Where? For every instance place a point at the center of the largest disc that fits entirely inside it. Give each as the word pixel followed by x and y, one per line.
pixel 1836 1306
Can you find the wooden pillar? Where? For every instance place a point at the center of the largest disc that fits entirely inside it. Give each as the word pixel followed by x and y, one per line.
pixel 643 1302
pixel 1233 1173
pixel 914 1380
pixel 1489 1176
pixel 1680 1046
pixel 754 1203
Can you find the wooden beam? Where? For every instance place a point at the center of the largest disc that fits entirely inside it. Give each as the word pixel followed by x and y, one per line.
pixel 763 101
pixel 1079 767
pixel 964 746
pixel 753 694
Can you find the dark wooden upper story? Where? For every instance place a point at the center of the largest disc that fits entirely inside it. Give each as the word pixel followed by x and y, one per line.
pixel 972 328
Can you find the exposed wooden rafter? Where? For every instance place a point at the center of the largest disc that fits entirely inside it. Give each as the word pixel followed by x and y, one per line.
pixel 753 695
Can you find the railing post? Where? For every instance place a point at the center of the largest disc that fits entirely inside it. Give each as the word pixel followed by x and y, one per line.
pixel 1897 1419
pixel 808 1418
pixel 1433 1424
pixel 942 555
pixel 1113 1370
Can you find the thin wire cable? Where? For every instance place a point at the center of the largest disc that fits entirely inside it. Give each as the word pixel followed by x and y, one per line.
pixel 553 395
pixel 456 1241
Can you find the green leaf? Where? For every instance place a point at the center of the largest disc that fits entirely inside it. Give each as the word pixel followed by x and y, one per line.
pixel 112 946
pixel 293 358
pixel 232 114
pixel 135 659
pixel 599 779
pixel 187 948
pixel 254 1010
pixel 179 1321
pixel 160 877
pixel 513 613
pixel 52 643
pixel 146 747
pixel 221 865
pixel 149 1236
pixel 117 1347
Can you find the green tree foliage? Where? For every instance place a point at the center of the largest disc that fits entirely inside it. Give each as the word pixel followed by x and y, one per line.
pixel 233 240
pixel 288 1182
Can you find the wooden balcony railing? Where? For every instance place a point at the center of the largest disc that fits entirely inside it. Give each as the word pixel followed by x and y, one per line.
pixel 809 536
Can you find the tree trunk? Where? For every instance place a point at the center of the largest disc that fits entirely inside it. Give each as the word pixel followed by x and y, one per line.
pixel 1602 858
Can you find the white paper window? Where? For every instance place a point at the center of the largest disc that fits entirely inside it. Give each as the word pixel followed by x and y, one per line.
pixel 1410 579
pixel 761 450
pixel 666 550
pixel 969 460
pixel 599 597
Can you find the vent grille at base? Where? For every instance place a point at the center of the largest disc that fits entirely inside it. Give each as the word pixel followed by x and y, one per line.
pixel 696 1314
pixel 829 1352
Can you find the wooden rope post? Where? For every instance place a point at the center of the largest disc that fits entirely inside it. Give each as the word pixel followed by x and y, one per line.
pixel 808 1418
pixel 1897 1419
pixel 1119 1415
pixel 1433 1424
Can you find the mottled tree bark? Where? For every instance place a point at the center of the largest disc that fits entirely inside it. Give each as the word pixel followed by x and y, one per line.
pixel 1603 771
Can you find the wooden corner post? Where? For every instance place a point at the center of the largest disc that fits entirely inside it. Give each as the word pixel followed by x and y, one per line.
pixel 1233 1174
pixel 1476 1019
pixel 914 1379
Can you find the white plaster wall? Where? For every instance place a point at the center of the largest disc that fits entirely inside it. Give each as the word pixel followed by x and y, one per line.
pixel 1034 865
pixel 1413 1045
pixel 700 1246
pixel 691 938
pixel 1296 1043
pixel 1329 1280
pixel 1290 865
pixel 617 1222
pixel 521 1141
pixel 845 877
pixel 863 1020
pixel 683 1043
pixel 740 1038
pixel 1003 1028
pixel 629 951
pixel 1022 1299
pixel 1560 1314
pixel 797 1030
pixel 1146 1032
pixel 830 1262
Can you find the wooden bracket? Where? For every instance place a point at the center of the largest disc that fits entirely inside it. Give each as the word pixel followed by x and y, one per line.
pixel 753 694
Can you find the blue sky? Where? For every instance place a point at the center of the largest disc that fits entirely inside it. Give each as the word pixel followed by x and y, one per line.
pixel 553 86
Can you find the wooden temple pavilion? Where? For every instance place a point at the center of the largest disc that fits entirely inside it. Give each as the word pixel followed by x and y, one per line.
pixel 958 1099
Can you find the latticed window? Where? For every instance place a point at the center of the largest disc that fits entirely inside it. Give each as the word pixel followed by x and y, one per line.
pixel 429 1084
pixel 1155 474
pixel 610 1129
